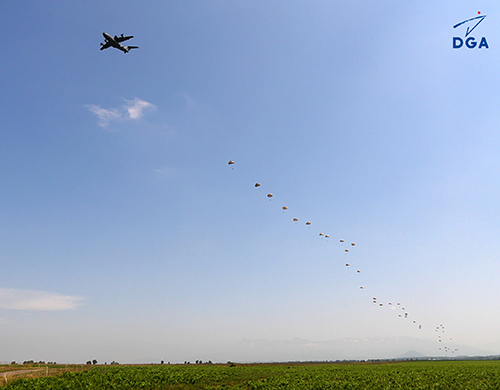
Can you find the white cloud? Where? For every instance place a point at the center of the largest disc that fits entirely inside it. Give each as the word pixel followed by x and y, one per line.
pixel 23 299
pixel 134 109
pixel 105 116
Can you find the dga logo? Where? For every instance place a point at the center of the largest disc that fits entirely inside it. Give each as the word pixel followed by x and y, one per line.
pixel 471 41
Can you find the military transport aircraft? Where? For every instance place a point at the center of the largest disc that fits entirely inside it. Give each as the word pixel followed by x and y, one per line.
pixel 115 42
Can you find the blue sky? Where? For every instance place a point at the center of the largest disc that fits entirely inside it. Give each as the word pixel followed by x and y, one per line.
pixel 126 236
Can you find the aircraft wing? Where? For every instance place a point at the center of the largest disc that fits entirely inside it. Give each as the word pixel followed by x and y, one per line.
pixel 105 45
pixel 123 38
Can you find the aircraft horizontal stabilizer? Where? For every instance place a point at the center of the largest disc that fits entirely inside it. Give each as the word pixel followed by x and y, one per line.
pixel 126 49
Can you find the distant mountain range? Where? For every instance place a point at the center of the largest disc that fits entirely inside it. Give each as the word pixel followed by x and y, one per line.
pixel 347 349
pixel 411 355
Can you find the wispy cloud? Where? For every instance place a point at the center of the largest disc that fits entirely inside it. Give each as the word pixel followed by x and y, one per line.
pixel 23 299
pixel 133 109
pixel 136 107
pixel 105 116
pixel 167 171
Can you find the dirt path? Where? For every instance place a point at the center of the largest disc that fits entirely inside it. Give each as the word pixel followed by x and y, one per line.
pixel 5 374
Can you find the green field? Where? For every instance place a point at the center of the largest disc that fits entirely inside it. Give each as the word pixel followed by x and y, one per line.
pixel 443 375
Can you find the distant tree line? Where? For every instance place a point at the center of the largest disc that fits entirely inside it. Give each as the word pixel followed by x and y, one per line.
pixel 94 362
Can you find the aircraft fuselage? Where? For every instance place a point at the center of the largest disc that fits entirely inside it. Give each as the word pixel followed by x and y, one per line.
pixel 115 42
pixel 109 39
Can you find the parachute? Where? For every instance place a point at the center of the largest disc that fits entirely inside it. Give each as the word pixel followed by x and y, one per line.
pixel 403 313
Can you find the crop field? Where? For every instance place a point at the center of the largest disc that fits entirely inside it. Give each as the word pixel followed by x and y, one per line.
pixel 444 375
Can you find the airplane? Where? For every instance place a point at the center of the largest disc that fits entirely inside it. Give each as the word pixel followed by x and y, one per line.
pixel 115 42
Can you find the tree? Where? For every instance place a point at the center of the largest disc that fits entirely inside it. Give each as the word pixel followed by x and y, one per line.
pixel 94 361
